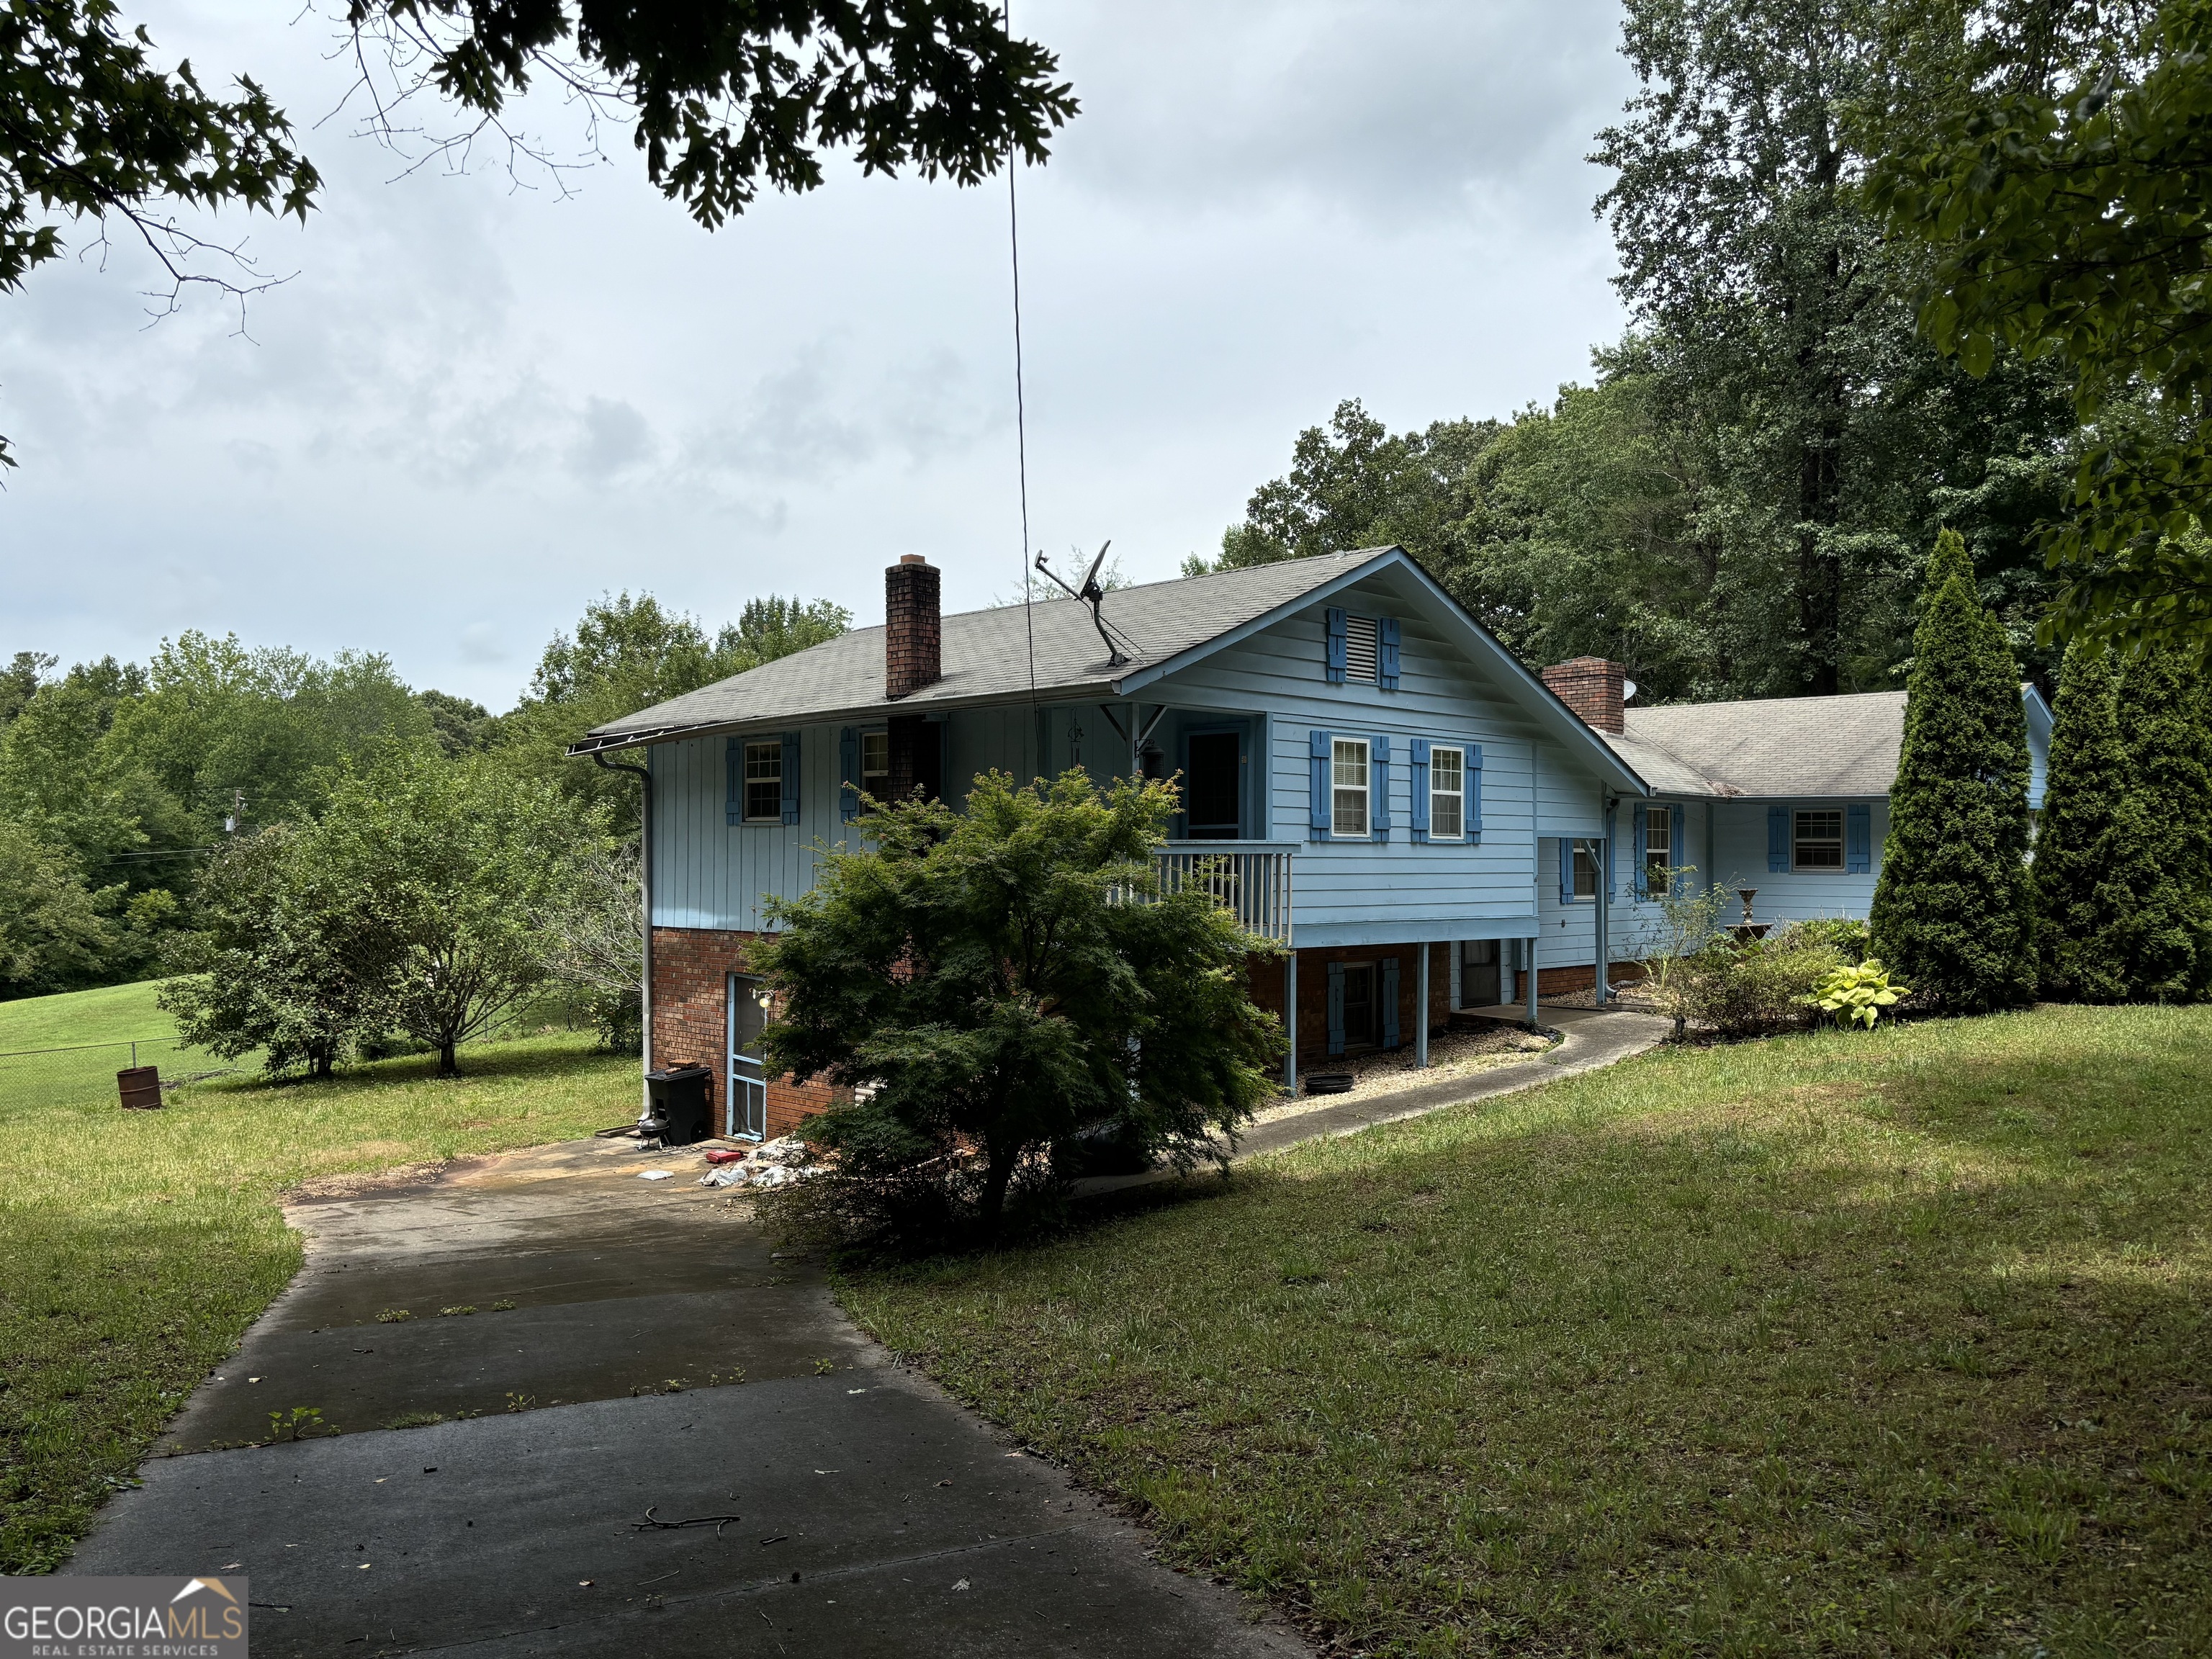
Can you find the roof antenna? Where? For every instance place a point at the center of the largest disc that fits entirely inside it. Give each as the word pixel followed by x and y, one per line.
pixel 1092 595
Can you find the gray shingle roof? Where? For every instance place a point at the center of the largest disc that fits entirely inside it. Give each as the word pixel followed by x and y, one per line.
pixel 1775 746
pixel 985 654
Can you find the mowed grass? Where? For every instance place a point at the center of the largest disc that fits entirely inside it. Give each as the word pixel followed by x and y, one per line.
pixel 113 1013
pixel 137 1247
pixel 1840 1344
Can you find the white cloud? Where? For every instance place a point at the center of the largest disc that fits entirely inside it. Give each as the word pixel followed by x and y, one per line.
pixel 476 402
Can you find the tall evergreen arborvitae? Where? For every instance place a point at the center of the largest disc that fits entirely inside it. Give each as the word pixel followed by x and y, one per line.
pixel 2163 859
pixel 2079 897
pixel 1953 913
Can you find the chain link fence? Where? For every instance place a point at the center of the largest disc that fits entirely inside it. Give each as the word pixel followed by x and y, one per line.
pixel 84 1074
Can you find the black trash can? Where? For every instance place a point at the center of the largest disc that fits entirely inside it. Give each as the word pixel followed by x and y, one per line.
pixel 682 1104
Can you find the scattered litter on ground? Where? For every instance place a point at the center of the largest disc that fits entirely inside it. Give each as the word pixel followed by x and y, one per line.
pixel 727 1175
pixel 960 1584
pixel 725 1154
pixel 654 1175
pixel 653 1523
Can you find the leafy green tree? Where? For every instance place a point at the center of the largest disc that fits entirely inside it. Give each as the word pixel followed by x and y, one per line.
pixel 2080 903
pixel 720 96
pixel 985 982
pixel 20 681
pixel 53 933
pixel 1953 914
pixel 1355 485
pixel 1774 310
pixel 436 877
pixel 2062 196
pixel 461 725
pixel 260 970
pixel 2163 838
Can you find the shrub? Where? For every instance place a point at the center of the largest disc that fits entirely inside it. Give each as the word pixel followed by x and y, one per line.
pixel 1857 995
pixel 1849 937
pixel 2080 899
pixel 1761 985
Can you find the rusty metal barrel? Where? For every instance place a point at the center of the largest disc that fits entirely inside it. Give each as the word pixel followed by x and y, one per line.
pixel 140 1087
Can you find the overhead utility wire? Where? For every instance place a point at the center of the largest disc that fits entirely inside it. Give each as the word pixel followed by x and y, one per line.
pixel 1021 414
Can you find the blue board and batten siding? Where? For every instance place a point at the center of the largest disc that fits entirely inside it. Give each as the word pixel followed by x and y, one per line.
pixel 1272 687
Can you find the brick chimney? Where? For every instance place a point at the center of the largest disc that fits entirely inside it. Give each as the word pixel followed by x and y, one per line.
pixel 1590 686
pixel 912 631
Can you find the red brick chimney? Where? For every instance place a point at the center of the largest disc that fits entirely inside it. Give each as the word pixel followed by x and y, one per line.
pixel 912 632
pixel 1590 686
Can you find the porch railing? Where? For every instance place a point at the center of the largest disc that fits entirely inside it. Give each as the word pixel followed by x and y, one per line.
pixel 1250 878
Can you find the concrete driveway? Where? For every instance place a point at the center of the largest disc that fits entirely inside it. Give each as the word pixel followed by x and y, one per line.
pixel 870 1513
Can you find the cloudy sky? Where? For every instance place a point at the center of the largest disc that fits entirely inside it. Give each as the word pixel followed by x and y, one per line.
pixel 480 401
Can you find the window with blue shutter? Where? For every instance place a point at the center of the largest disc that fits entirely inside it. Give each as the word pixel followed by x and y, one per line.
pixel 1336 1007
pixel 1386 632
pixel 1778 838
pixel 734 808
pixel 1332 659
pixel 1390 1002
pixel 790 777
pixel 1475 792
pixel 1317 819
pixel 849 774
pixel 1379 764
pixel 1858 839
pixel 1417 817
pixel 1676 845
pixel 1566 870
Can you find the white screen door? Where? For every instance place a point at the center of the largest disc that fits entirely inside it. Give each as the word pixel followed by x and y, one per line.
pixel 747 1110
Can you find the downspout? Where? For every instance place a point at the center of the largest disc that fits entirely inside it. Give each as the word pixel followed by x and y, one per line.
pixel 644 776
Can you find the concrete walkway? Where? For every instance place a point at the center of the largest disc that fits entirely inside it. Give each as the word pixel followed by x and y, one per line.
pixel 874 1517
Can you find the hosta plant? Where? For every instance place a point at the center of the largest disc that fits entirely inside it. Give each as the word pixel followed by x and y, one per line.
pixel 1857 994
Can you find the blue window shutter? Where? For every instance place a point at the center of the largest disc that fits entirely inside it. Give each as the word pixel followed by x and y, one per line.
pixel 1333 661
pixel 849 774
pixel 1778 838
pixel 1390 1002
pixel 1858 839
pixel 1319 816
pixel 1475 792
pixel 790 777
pixel 1336 1007
pixel 1675 842
pixel 1566 870
pixel 734 806
pixel 1643 847
pixel 1386 640
pixel 1417 771
pixel 1378 786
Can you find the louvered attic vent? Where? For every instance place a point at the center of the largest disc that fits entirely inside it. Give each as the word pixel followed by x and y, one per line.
pixel 1359 654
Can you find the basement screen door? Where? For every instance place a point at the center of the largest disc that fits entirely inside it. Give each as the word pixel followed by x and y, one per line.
pixel 747 1110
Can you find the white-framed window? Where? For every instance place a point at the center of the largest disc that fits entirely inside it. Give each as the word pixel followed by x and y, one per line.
pixel 1586 877
pixel 876 763
pixel 1362 657
pixel 1658 849
pixel 1348 784
pixel 1447 794
pixel 764 782
pixel 1818 843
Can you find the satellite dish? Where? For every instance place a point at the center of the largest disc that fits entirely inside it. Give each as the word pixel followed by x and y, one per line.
pixel 1627 691
pixel 1092 595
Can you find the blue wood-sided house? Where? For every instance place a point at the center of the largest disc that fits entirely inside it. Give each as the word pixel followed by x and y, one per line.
pixel 1369 778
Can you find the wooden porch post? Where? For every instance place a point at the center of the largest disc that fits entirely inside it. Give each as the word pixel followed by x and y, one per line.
pixel 1291 1021
pixel 1531 978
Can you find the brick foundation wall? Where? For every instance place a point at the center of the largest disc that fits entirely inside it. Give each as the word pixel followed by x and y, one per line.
pixel 690 1021
pixel 1266 980
pixel 1558 981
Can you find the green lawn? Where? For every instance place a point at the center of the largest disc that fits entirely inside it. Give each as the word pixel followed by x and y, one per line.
pixel 1838 1344
pixel 137 1247
pixel 113 1013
